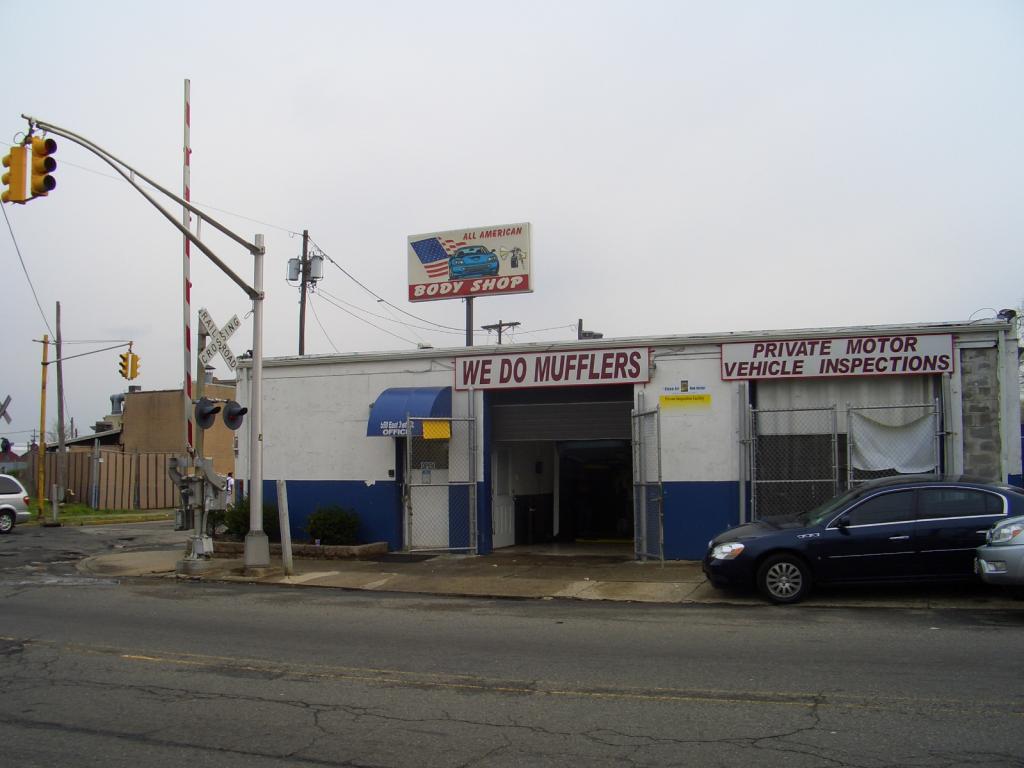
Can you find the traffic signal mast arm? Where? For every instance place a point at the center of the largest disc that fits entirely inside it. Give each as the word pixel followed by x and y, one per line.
pixel 120 167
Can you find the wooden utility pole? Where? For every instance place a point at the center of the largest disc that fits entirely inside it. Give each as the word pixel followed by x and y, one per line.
pixel 499 327
pixel 302 292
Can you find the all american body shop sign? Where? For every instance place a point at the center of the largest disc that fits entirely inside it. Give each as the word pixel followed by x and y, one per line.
pixel 477 261
pixel 900 355
pixel 554 369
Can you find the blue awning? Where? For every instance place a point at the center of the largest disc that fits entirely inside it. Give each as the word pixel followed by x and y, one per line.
pixel 394 406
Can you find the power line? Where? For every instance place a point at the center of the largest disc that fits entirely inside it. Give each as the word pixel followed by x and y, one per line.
pixel 380 298
pixel 383 317
pixel 357 317
pixel 25 270
pixel 317 318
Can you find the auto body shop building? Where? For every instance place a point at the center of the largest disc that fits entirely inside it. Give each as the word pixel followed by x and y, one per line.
pixel 664 441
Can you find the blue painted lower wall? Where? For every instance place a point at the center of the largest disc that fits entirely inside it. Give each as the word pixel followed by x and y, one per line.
pixel 379 506
pixel 694 512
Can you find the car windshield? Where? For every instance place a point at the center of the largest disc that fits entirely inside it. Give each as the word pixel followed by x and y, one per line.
pixel 827 509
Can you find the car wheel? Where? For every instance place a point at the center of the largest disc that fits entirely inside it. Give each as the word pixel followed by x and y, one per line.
pixel 6 522
pixel 784 579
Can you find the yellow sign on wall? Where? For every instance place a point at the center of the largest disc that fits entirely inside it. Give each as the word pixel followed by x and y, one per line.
pixel 685 402
pixel 437 430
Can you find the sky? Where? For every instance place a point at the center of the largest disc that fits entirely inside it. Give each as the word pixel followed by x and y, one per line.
pixel 686 167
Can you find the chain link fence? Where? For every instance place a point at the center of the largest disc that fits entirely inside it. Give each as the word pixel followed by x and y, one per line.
pixel 648 521
pixel 794 461
pixel 800 458
pixel 440 487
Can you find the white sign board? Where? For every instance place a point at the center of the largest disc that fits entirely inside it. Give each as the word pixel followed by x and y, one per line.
pixel 218 339
pixel 566 368
pixel 900 355
pixel 478 261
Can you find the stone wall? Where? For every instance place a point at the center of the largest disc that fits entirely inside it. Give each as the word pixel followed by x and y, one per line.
pixel 979 375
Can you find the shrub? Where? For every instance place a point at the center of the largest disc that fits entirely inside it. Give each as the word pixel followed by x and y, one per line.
pixel 236 519
pixel 333 525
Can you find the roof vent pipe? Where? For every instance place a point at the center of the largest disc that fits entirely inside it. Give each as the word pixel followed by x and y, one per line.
pixel 116 401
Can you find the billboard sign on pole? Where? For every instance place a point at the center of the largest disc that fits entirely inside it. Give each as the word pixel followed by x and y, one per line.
pixel 479 261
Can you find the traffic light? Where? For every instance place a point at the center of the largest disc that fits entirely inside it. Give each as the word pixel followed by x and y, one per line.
pixel 15 178
pixel 124 366
pixel 233 413
pixel 206 410
pixel 43 165
pixel 133 365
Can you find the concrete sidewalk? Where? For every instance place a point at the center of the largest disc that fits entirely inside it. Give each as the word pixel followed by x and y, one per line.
pixel 536 577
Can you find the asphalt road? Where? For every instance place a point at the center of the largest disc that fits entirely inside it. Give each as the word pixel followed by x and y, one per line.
pixel 156 672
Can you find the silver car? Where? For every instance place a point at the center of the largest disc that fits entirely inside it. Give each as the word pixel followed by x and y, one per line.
pixel 1001 559
pixel 13 503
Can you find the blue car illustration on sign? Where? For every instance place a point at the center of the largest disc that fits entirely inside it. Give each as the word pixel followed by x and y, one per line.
pixel 472 261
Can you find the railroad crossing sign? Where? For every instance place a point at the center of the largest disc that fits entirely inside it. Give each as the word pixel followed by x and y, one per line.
pixel 218 339
pixel 3 409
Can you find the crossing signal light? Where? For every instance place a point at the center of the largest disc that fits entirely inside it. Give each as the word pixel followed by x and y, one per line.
pixel 206 411
pixel 15 177
pixel 43 165
pixel 124 366
pixel 133 365
pixel 233 413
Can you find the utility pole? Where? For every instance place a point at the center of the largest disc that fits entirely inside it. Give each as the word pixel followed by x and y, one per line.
pixel 62 459
pixel 302 292
pixel 499 327
pixel 41 465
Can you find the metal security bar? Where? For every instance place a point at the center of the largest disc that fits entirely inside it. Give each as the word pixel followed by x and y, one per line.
pixel 648 512
pixel 440 485
pixel 794 460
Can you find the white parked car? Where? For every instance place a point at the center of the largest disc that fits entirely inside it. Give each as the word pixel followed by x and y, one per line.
pixel 1000 560
pixel 13 503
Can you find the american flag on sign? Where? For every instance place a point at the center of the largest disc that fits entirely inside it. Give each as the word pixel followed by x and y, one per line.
pixel 433 254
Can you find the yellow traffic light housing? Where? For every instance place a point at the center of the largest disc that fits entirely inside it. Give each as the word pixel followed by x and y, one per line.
pixel 15 178
pixel 43 165
pixel 124 365
pixel 133 365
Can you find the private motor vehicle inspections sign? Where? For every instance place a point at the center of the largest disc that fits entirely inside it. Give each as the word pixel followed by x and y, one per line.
pixel 477 261
pixel 844 356
pixel 553 369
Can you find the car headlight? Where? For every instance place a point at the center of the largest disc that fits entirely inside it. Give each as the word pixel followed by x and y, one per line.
pixel 727 551
pixel 1007 533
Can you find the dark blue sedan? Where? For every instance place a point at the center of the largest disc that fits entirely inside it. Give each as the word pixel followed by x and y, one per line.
pixel 473 261
pixel 895 529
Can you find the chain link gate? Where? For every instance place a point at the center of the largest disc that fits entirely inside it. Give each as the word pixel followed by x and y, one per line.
pixel 440 485
pixel 794 460
pixel 648 512
pixel 799 459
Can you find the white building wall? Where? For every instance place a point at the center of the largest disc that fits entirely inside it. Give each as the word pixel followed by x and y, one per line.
pixel 699 435
pixel 315 416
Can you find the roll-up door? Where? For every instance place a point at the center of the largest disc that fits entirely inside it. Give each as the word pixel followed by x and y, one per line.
pixel 562 421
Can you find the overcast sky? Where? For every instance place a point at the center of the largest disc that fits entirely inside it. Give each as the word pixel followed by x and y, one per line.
pixel 686 167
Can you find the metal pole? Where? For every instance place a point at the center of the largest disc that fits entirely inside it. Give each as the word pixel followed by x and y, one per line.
pixel 302 292
pixel 41 464
pixel 62 457
pixel 286 531
pixel 469 321
pixel 257 546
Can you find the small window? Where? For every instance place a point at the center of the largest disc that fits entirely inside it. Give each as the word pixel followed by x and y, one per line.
pixel 895 507
pixel 958 502
pixel 8 486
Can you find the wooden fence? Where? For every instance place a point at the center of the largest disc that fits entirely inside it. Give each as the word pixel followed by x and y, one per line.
pixel 110 479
